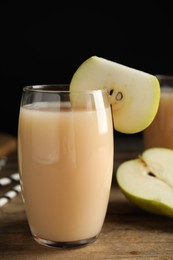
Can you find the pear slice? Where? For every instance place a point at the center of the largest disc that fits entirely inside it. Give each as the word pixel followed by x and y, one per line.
pixel 147 181
pixel 134 94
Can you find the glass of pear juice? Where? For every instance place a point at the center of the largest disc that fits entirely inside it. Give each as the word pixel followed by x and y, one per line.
pixel 160 132
pixel 65 157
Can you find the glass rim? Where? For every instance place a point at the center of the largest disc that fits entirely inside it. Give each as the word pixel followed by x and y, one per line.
pixel 51 88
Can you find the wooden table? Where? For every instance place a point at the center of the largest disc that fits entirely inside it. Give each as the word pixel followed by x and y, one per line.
pixel 128 232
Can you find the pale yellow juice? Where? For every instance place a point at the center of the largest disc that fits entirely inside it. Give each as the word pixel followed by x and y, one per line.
pixel 160 132
pixel 66 164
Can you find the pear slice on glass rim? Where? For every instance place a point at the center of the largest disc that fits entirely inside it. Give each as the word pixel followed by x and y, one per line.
pixel 134 95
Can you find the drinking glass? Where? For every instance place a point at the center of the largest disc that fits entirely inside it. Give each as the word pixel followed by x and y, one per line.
pixel 160 131
pixel 65 156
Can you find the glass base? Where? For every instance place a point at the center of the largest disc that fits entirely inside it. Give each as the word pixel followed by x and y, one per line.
pixel 68 244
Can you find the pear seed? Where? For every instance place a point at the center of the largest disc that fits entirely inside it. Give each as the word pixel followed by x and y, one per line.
pixel 119 96
pixel 151 174
pixel 111 91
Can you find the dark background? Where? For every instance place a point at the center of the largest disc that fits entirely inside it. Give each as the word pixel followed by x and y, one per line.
pixel 46 43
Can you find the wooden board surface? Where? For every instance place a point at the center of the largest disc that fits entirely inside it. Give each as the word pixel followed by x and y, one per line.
pixel 8 144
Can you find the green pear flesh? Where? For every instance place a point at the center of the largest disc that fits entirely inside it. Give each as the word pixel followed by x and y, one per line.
pixel 148 181
pixel 134 95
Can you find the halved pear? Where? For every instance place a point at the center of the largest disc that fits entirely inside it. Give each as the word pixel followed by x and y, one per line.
pixel 147 181
pixel 134 94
